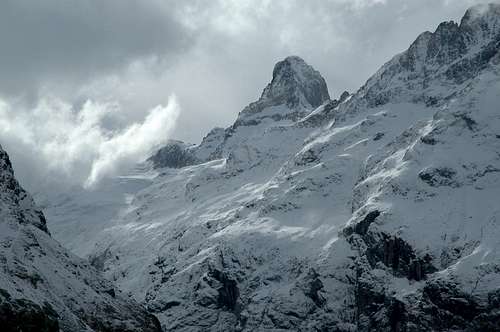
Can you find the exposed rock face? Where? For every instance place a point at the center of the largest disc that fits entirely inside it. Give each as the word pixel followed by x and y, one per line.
pixel 24 315
pixel 453 54
pixel 12 195
pixel 295 82
pixel 45 288
pixel 174 154
pixel 377 211
pixel 438 177
pixel 295 85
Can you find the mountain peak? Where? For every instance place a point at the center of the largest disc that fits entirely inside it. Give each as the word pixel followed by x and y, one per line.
pixel 449 56
pixel 12 193
pixel 295 82
pixel 482 14
pixel 296 89
pixel 291 63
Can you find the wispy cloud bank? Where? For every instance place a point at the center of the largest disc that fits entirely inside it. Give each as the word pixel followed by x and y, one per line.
pixel 77 145
pixel 135 142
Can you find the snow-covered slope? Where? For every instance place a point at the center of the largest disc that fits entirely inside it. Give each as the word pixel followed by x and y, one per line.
pixel 45 288
pixel 376 211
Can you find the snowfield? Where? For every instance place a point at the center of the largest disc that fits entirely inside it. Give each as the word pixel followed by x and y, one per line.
pixel 378 210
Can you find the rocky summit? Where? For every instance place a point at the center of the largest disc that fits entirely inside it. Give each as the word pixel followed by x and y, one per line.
pixel 374 211
pixel 296 83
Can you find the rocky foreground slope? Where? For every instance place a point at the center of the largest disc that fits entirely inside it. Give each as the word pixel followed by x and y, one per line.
pixel 45 288
pixel 376 211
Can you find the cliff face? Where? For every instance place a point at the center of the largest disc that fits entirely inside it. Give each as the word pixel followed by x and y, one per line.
pixel 438 62
pixel 375 211
pixel 45 288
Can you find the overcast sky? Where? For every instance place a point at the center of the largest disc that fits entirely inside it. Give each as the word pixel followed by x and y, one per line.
pixel 90 85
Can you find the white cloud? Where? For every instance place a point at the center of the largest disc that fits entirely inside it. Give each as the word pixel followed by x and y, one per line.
pixel 74 144
pixel 135 142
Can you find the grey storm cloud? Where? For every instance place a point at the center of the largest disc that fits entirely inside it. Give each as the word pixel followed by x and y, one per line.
pixel 73 41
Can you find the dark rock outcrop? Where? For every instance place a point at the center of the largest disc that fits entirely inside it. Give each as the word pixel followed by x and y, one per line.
pixel 399 256
pixel 12 193
pixel 361 227
pixel 436 177
pixel 312 285
pixel 226 289
pixel 24 315
pixel 443 306
pixel 174 154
